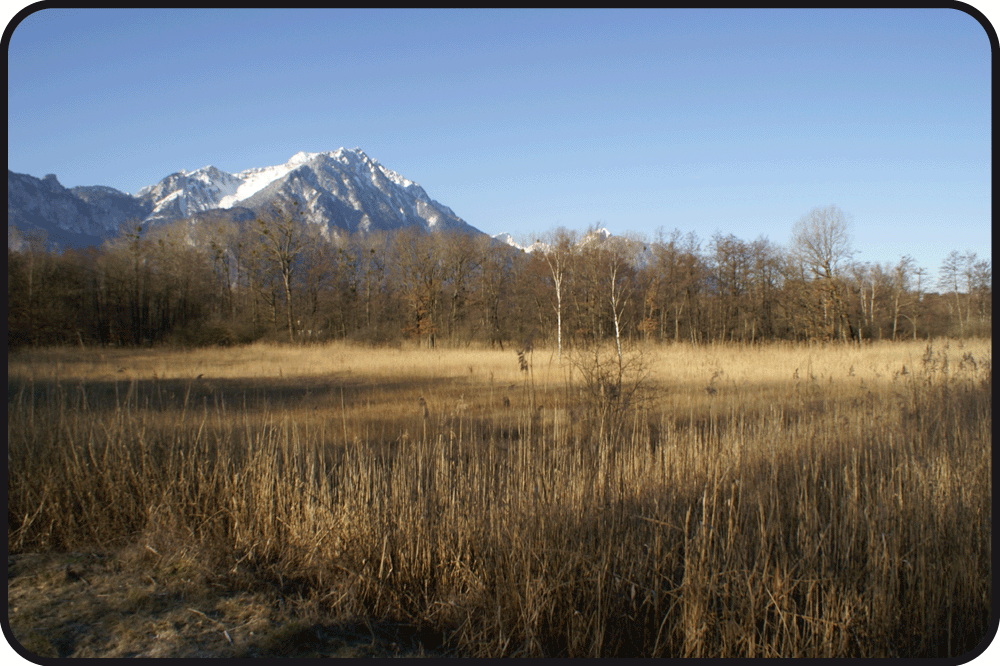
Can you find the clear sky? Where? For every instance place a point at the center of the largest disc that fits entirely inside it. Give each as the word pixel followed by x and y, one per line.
pixel 732 121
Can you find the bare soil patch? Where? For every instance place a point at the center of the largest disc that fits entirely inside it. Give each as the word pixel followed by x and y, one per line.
pixel 98 605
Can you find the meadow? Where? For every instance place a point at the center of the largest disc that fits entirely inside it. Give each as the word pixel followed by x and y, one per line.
pixel 703 501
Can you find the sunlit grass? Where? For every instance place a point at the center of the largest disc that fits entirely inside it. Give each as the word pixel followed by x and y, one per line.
pixel 777 500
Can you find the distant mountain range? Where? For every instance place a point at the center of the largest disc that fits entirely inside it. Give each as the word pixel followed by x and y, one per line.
pixel 591 236
pixel 345 190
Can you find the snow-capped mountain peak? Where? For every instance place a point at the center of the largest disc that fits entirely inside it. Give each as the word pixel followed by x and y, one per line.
pixel 343 188
pixel 343 191
pixel 301 157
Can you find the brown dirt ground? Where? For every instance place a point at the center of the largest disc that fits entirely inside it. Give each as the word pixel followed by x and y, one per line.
pixel 94 605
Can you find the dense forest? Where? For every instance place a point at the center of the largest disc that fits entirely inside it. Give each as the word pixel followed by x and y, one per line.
pixel 278 277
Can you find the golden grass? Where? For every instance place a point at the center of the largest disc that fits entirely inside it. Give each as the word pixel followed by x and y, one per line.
pixel 777 500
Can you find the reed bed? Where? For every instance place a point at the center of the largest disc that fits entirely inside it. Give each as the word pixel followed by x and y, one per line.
pixel 759 501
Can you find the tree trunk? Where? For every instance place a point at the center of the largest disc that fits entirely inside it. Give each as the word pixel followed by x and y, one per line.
pixel 286 278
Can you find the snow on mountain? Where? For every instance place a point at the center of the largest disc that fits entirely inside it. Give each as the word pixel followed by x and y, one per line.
pixel 596 235
pixel 508 239
pixel 183 194
pixel 252 181
pixel 344 189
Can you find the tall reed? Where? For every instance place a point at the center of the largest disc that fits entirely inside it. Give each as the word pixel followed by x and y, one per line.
pixel 847 515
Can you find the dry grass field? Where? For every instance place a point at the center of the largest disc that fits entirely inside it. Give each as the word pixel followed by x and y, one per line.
pixel 713 501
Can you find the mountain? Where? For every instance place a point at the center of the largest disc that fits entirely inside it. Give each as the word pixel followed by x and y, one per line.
pixel 184 194
pixel 67 219
pixel 509 240
pixel 345 191
pixel 111 207
pixel 597 236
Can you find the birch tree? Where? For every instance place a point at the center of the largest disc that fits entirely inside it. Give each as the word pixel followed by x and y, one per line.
pixel 557 249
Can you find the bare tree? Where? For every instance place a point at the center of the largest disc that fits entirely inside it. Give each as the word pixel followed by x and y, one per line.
pixel 619 255
pixel 497 270
pixel 181 284
pixel 820 241
pixel 281 235
pixel 419 275
pixel 36 243
pixel 961 273
pixel 951 276
pixel 220 238
pixel 676 266
pixel 368 254
pixel 127 266
pixel 322 282
pixel 732 264
pixel 765 285
pixel 981 286
pixel 901 276
pixel 919 272
pixel 460 260
pixel 557 249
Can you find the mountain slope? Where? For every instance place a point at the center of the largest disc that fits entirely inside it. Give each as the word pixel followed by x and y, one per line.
pixel 67 219
pixel 344 190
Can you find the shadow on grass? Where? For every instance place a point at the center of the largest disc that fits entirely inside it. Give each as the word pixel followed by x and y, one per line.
pixel 346 639
pixel 173 394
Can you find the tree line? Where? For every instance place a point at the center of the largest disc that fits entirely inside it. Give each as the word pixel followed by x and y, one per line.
pixel 279 277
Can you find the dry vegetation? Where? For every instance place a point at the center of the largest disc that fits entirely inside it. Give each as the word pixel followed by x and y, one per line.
pixel 777 500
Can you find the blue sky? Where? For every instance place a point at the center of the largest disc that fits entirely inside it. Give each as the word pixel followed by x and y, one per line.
pixel 732 121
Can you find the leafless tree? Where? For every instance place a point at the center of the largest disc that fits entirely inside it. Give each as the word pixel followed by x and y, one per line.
pixel 460 260
pixel 981 285
pixel 619 255
pixel 820 241
pixel 281 235
pixel 497 266
pixel 901 276
pixel 419 275
pixel 557 249
pixel 962 274
pixel 951 277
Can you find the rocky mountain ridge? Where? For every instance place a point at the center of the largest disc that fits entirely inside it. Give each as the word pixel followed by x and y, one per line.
pixel 344 190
